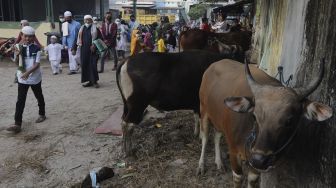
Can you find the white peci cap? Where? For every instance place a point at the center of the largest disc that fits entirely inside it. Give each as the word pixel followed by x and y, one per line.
pixel 28 30
pixel 87 17
pixel 67 14
pixel 24 21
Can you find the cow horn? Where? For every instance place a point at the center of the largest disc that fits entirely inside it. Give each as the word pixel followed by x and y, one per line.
pixel 304 92
pixel 250 80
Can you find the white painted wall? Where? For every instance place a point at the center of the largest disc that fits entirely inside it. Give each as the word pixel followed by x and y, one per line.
pixel 294 42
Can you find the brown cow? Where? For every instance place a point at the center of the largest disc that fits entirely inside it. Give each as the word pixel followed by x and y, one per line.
pixel 199 39
pixel 265 111
pixel 193 39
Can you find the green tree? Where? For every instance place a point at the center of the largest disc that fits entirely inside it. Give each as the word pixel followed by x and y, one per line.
pixel 197 11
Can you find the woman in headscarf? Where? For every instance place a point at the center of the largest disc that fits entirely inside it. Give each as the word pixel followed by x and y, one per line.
pixel 148 42
pixel 135 42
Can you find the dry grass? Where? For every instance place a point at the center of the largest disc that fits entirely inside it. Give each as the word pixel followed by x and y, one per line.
pixel 30 137
pixel 158 148
pixel 31 159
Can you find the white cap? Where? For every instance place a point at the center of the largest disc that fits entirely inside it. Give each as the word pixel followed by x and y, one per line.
pixel 28 30
pixel 87 17
pixel 24 21
pixel 53 37
pixel 67 14
pixel 117 20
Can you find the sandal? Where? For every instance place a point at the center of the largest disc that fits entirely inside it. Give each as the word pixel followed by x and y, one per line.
pixel 14 129
pixel 89 84
pixel 96 85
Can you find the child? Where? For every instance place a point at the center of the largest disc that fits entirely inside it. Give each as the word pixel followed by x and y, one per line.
pixel 54 51
pixel 161 45
pixel 29 75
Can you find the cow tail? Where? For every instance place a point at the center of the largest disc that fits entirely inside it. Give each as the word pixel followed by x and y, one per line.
pixel 119 87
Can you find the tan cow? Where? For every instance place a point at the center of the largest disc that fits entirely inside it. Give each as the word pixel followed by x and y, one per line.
pixel 264 111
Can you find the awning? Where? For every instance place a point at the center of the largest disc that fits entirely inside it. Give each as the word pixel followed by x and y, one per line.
pixel 233 8
pixel 138 6
pixel 167 8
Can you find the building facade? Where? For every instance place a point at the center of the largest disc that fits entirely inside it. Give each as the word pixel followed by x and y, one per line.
pixel 48 10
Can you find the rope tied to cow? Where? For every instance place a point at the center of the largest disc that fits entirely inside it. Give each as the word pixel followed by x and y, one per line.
pixel 281 77
pixel 251 138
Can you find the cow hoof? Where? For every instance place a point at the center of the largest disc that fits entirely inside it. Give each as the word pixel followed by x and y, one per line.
pixel 220 167
pixel 221 170
pixel 200 171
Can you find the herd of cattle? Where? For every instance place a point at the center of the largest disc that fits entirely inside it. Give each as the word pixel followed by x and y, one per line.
pixel 258 116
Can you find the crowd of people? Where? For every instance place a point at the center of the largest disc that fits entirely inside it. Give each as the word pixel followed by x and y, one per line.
pixel 83 45
pixel 221 24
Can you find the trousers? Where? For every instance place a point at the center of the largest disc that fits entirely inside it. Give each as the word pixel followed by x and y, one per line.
pixel 21 100
pixel 104 56
pixel 56 66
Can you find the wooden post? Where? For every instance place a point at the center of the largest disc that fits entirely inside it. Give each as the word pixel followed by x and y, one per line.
pixel 101 9
pixel 134 8
pixel 52 11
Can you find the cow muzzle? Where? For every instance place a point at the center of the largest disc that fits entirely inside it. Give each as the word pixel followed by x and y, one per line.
pixel 262 163
pixel 257 160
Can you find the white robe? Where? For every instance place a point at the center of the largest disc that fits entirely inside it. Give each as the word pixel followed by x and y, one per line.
pixel 74 60
pixel 122 42
pixel 55 56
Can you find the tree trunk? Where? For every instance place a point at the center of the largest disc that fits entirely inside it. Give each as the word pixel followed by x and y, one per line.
pixel 311 160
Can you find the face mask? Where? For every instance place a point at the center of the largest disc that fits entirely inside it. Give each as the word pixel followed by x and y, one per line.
pixel 61 19
pixel 87 25
pixel 132 19
pixel 69 21
pixel 95 22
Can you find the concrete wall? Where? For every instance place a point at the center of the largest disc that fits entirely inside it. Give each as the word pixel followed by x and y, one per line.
pixel 40 30
pixel 296 34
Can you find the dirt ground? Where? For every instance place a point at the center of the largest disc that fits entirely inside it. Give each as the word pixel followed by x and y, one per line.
pixel 61 151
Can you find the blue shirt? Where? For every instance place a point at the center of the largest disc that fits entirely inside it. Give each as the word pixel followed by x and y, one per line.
pixel 133 25
pixel 70 40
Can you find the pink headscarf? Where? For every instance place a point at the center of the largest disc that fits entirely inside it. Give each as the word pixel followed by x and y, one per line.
pixel 148 40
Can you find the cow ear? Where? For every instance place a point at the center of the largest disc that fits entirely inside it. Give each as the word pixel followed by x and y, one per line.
pixel 240 104
pixel 317 111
